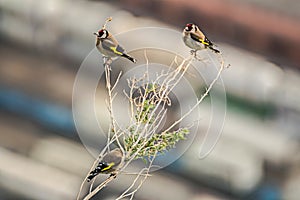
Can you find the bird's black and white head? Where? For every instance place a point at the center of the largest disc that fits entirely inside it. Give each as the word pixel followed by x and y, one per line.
pixel 102 34
pixel 190 27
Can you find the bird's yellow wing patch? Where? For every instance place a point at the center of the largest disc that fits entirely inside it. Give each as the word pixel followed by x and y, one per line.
pixel 116 51
pixel 108 167
pixel 203 42
pixel 198 39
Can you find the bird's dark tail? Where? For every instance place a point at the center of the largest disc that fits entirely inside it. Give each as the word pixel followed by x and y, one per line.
pixel 129 57
pixel 214 50
pixel 92 174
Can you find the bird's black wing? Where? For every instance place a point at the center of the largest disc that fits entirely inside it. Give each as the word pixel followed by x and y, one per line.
pixel 101 167
pixel 206 41
pixel 195 37
pixel 110 45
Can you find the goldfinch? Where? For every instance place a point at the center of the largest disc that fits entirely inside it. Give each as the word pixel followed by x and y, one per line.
pixel 109 46
pixel 194 38
pixel 108 164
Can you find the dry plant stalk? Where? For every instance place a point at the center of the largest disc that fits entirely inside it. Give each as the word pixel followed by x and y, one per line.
pixel 142 139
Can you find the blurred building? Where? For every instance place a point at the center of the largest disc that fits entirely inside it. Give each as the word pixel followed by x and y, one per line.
pixel 43 44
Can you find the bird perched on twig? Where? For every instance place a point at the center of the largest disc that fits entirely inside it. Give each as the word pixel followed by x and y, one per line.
pixel 109 46
pixel 194 38
pixel 108 164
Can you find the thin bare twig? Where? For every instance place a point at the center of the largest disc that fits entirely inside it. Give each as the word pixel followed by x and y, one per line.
pixel 100 187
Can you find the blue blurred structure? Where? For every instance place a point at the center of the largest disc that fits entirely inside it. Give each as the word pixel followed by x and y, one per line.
pixel 53 116
pixel 267 192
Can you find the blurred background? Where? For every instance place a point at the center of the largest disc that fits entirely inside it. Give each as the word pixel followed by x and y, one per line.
pixel 43 44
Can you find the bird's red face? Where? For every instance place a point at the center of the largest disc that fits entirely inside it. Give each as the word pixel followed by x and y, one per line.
pixel 189 27
pixel 102 33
